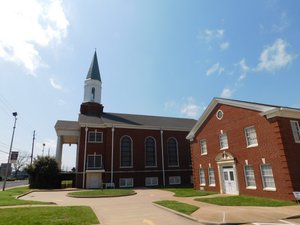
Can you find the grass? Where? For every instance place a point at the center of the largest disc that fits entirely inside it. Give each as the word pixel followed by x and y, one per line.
pixel 245 201
pixel 188 192
pixel 178 206
pixel 8 197
pixel 71 215
pixel 102 193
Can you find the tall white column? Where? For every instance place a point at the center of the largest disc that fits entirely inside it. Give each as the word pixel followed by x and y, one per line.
pixel 58 151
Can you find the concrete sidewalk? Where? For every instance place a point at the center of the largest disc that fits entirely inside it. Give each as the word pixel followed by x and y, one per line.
pixel 214 214
pixel 139 209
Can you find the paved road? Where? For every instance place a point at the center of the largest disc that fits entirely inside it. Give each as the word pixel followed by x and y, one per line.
pixel 10 184
pixel 131 210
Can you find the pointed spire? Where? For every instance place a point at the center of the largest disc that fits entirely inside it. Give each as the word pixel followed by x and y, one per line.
pixel 94 72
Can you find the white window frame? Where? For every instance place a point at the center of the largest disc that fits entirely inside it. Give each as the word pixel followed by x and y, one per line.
pixel 173 180
pixel 296 130
pixel 211 177
pixel 250 133
pixel 94 156
pixel 128 182
pixel 131 166
pixel 203 147
pixel 151 181
pixel 249 176
pixel 95 133
pixel 202 177
pixel 155 152
pixel 263 176
pixel 221 140
pixel 177 152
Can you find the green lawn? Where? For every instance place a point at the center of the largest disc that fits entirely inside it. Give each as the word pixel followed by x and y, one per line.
pixel 71 215
pixel 8 197
pixel 188 192
pixel 245 201
pixel 178 206
pixel 102 193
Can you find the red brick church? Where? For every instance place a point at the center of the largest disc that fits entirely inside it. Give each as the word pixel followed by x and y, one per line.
pixel 247 148
pixel 123 150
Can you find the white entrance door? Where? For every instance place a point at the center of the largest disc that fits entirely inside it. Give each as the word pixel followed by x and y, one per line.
pixel 229 181
pixel 93 180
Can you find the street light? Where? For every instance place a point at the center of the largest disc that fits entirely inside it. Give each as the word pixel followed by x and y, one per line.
pixel 10 148
pixel 43 148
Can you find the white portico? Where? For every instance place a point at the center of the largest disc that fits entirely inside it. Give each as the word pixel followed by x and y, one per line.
pixel 68 132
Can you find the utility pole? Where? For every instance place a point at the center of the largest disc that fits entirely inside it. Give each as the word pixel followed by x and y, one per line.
pixel 10 148
pixel 33 138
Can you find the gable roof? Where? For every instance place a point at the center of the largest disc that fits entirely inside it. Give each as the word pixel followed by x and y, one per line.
pixel 137 121
pixel 269 111
pixel 94 72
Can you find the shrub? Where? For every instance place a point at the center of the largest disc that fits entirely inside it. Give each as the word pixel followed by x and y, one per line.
pixel 43 173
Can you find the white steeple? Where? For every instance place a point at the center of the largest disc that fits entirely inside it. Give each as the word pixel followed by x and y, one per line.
pixel 93 84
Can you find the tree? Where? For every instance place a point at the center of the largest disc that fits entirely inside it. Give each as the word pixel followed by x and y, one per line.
pixel 43 173
pixel 22 160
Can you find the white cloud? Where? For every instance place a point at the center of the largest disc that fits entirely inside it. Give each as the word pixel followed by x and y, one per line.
pixel 54 84
pixel 227 93
pixel 210 35
pixel 50 144
pixel 186 106
pixel 190 108
pixel 244 69
pixel 274 57
pixel 283 23
pixel 216 68
pixel 224 45
pixel 28 25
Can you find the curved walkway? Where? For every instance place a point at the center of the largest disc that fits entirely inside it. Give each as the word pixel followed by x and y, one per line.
pixel 139 209
pixel 131 210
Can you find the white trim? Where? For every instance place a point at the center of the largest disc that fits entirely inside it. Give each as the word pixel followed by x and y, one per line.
pixel 131 151
pixel 151 181
pixel 201 149
pixel 95 132
pixel 221 145
pixel 265 110
pixel 162 156
pixel 155 152
pixel 246 136
pixel 129 182
pixel 296 130
pixel 176 152
pixel 202 177
pixel 262 177
pixel 210 184
pixel 173 180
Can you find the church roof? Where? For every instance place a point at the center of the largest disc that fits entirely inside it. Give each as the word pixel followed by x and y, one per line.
pixel 137 121
pixel 94 72
pixel 269 111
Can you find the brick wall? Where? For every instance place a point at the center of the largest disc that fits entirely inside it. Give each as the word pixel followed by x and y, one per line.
pixel 270 148
pixel 138 171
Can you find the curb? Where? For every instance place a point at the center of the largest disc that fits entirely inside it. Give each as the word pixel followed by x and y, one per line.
pixel 99 196
pixel 206 222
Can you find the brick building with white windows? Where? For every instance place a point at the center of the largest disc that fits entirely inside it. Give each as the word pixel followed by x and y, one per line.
pixel 247 148
pixel 124 150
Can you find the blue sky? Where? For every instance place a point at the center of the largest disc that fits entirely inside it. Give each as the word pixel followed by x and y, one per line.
pixel 156 57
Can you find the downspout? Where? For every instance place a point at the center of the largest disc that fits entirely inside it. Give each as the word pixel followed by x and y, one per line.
pixel 84 157
pixel 112 156
pixel 162 157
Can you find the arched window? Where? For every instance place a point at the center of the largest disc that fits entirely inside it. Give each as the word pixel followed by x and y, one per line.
pixel 172 152
pixel 93 94
pixel 150 152
pixel 126 152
